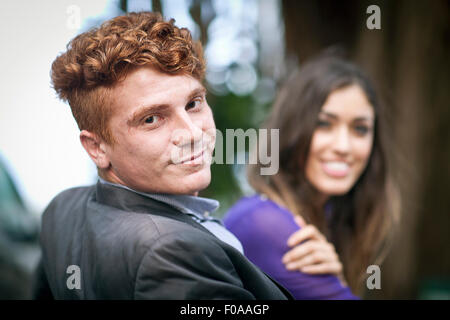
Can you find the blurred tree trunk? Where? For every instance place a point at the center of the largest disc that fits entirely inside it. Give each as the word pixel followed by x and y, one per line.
pixel 123 5
pixel 408 60
pixel 156 6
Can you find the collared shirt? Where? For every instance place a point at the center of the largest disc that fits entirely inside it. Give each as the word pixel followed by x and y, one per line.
pixel 198 208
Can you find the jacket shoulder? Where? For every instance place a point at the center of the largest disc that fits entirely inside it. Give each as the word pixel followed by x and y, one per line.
pixel 68 197
pixel 188 265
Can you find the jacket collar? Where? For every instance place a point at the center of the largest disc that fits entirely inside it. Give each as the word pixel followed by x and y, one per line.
pixel 128 200
pixel 188 204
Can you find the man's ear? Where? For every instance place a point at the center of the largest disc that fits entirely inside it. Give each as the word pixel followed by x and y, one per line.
pixel 96 148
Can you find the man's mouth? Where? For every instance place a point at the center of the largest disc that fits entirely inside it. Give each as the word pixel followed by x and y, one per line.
pixel 193 159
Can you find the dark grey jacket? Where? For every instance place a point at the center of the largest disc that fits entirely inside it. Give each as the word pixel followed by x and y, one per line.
pixel 129 246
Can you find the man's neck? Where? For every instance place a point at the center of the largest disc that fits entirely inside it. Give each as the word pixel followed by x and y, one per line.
pixel 112 178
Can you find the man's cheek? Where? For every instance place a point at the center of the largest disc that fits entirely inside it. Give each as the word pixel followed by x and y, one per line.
pixel 210 124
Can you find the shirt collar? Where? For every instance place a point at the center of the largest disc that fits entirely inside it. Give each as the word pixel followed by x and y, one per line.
pixel 198 206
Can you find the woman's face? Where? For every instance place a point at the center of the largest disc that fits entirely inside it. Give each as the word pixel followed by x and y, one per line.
pixel 342 141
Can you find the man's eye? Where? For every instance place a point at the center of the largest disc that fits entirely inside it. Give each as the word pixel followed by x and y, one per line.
pixel 193 104
pixel 152 119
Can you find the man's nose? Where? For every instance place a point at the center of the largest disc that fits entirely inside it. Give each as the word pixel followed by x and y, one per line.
pixel 341 143
pixel 186 131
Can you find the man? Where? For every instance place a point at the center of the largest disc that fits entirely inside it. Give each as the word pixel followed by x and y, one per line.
pixel 134 87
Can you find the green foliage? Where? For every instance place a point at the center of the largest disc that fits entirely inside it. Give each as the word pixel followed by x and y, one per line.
pixel 230 112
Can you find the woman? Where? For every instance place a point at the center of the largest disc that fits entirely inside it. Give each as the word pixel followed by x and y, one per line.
pixel 317 224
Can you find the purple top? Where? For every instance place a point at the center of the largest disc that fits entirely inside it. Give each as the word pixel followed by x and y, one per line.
pixel 263 228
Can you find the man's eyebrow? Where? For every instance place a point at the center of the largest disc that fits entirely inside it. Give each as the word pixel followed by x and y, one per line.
pixel 154 108
pixel 196 92
pixel 145 110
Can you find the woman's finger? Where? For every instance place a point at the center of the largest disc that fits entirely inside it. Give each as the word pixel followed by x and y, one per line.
pixel 323 268
pixel 300 221
pixel 307 232
pixel 303 249
pixel 316 257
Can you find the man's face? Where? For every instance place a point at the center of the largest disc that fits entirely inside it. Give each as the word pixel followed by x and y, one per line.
pixel 164 132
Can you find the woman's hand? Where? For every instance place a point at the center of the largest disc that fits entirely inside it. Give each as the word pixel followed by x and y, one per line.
pixel 311 252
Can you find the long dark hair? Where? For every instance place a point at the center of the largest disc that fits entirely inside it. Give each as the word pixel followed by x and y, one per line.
pixel 361 219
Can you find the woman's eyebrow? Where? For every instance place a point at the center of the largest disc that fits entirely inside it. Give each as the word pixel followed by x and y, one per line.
pixel 363 118
pixel 359 118
pixel 328 114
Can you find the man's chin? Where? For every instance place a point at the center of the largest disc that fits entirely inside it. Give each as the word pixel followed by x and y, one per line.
pixel 180 183
pixel 196 182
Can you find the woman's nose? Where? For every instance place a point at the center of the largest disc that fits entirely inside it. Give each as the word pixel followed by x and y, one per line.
pixel 341 143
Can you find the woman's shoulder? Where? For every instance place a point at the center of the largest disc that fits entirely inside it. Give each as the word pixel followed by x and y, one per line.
pixel 258 209
pixel 259 222
pixel 248 205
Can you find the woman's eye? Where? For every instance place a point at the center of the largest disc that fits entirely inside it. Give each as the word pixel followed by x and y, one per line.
pixel 152 119
pixel 323 124
pixel 362 130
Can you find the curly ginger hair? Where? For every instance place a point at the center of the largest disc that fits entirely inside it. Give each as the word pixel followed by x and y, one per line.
pixel 97 59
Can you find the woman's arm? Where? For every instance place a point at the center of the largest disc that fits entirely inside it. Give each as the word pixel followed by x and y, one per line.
pixel 263 229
